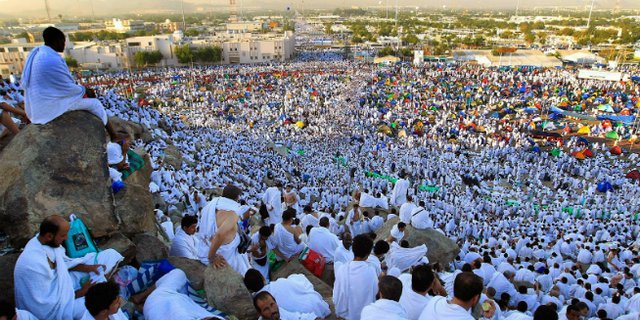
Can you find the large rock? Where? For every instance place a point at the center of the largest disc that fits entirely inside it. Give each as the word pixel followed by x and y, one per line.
pixel 122 244
pixel 7 264
pixel 440 248
pixel 134 203
pixel 149 247
pixel 226 291
pixel 173 157
pixel 135 130
pixel 57 168
pixel 294 267
pixel 192 268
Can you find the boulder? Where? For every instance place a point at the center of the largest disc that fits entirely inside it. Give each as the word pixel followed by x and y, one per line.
pixel 134 203
pixel 440 248
pixel 135 130
pixel 149 247
pixel 7 264
pixel 226 291
pixel 294 267
pixel 158 200
pixel 173 157
pixel 56 168
pixel 194 270
pixel 122 244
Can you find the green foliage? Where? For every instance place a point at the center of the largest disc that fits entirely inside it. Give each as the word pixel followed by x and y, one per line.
pixel 183 53
pixel 386 51
pixel 71 62
pixel 411 39
pixel 211 54
pixel 357 39
pixel 145 58
pixel 208 54
pixel 507 35
pixel 192 33
pixel 529 37
pixel 327 28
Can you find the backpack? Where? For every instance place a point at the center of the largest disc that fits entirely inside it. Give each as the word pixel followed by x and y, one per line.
pixel 79 241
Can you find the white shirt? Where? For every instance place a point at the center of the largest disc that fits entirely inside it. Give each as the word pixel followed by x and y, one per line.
pixel 324 242
pixel 440 308
pixel 384 309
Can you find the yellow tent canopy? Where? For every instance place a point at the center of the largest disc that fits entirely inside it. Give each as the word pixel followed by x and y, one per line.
pixel 300 124
pixel 402 134
pixel 584 130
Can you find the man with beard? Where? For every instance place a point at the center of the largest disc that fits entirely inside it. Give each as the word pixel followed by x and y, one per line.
pixel 268 309
pixel 47 282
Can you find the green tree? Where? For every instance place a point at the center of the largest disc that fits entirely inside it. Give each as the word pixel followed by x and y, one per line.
pixel 357 39
pixel 145 58
pixel 386 51
pixel 506 35
pixel 411 39
pixel 529 37
pixel 192 33
pixel 208 54
pixel 327 28
pixel 71 62
pixel 183 53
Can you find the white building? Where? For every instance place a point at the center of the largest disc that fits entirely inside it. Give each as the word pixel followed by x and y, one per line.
pixel 13 56
pixel 124 26
pixel 258 48
pixel 243 26
pixel 163 43
pixel 92 55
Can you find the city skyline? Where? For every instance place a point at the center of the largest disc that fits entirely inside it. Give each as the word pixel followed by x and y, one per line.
pixel 102 8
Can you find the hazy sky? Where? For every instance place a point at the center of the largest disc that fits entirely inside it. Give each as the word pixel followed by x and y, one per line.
pixel 28 8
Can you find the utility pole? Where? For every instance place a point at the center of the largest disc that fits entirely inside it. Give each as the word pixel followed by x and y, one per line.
pixel 184 22
pixel 590 11
pixel 46 6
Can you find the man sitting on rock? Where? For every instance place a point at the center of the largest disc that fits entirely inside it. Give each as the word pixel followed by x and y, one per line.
pixel 184 243
pixel 295 292
pixel 218 232
pixel 44 284
pixel 50 90
pixel 268 309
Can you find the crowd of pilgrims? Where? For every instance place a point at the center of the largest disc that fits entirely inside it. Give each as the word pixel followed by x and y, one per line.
pixel 517 214
pixel 420 144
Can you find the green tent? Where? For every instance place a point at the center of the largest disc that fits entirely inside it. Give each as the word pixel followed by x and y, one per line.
pixel 429 188
pixel 555 152
pixel 513 203
pixel 300 152
pixel 612 135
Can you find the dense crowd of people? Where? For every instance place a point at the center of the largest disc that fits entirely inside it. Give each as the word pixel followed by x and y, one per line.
pixel 317 155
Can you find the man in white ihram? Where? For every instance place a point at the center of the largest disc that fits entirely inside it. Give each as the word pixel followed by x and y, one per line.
pixel 272 198
pixel 44 284
pixel 218 232
pixel 50 90
pixel 399 193
pixel 387 306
